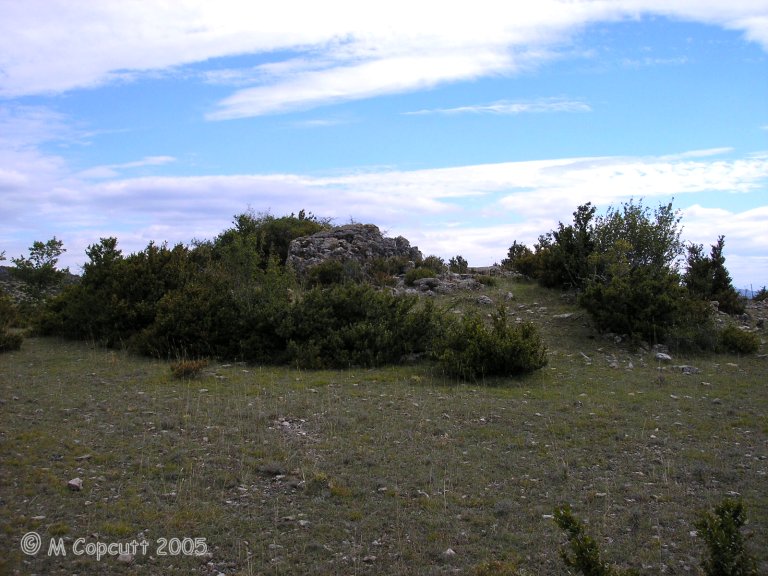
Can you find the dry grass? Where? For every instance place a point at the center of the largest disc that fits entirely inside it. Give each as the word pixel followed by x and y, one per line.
pixel 379 471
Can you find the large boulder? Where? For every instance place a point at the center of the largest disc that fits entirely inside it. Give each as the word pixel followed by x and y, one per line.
pixel 362 243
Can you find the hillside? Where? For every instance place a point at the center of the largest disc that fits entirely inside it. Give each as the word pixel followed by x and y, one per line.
pixel 382 471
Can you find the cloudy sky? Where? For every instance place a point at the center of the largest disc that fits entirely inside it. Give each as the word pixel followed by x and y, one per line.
pixel 461 125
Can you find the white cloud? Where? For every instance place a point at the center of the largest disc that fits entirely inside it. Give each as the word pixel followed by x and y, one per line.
pixel 337 50
pixel 509 107
pixel 476 211
pixel 114 170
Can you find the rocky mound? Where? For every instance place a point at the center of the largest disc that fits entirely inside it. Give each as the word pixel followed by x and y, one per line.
pixel 362 243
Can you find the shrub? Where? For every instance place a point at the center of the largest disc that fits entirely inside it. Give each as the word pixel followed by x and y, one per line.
pixel 643 302
pixel 417 274
pixel 38 272
pixel 734 339
pixel 486 280
pixel 188 368
pixel 521 259
pixel 582 553
pixel 707 278
pixel 721 531
pixel 562 256
pixel 471 350
pixel 458 265
pixel 326 273
pixel 761 295
pixel 434 263
pixel 8 315
pixel 356 325
pixel 10 341
pixel 382 271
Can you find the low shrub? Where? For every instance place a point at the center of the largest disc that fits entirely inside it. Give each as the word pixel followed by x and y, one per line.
pixel 10 341
pixel 417 274
pixel 721 531
pixel 188 368
pixel 356 325
pixel 8 317
pixel 471 350
pixel 434 263
pixel 582 552
pixel 458 265
pixel 486 280
pixel 734 339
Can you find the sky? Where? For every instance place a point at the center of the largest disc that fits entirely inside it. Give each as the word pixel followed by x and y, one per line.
pixel 463 126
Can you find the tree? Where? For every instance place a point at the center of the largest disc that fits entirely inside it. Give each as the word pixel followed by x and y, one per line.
pixel 633 286
pixel 563 254
pixel 458 265
pixel 38 272
pixel 707 278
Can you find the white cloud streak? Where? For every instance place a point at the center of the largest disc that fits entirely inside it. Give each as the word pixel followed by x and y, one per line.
pixel 505 107
pixel 338 50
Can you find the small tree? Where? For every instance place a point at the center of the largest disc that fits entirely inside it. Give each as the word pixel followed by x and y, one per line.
pixel 725 543
pixel 582 553
pixel 707 278
pixel 521 259
pixel 458 265
pixel 38 272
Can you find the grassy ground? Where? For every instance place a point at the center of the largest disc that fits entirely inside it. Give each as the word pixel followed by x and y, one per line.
pixel 378 471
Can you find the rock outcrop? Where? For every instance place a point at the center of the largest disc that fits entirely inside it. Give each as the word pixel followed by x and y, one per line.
pixel 362 243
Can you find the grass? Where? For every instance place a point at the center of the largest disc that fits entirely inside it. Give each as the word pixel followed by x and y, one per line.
pixel 379 471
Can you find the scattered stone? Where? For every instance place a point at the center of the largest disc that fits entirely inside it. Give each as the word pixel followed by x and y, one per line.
pixel 484 300
pixel 304 523
pixel 688 369
pixel 369 559
pixel 509 296
pixel 449 553
pixel 663 357
pixel 125 558
pixel 76 484
pixel 564 316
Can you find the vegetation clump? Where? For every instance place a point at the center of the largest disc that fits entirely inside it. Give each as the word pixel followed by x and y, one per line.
pixel 471 350
pixel 183 369
pixel 726 551
pixel 734 339
pixel 624 266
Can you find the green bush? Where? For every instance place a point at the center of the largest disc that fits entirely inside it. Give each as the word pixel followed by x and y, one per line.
pixel 486 280
pixel 326 273
pixel 417 274
pixel 643 302
pixel 761 295
pixel 8 318
pixel 521 259
pixel 734 339
pixel 707 278
pixel 721 531
pixel 434 263
pixel 458 265
pixel 582 553
pixel 471 350
pixel 10 341
pixel 356 325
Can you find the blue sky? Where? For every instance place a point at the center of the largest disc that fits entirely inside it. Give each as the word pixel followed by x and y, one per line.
pixel 462 126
